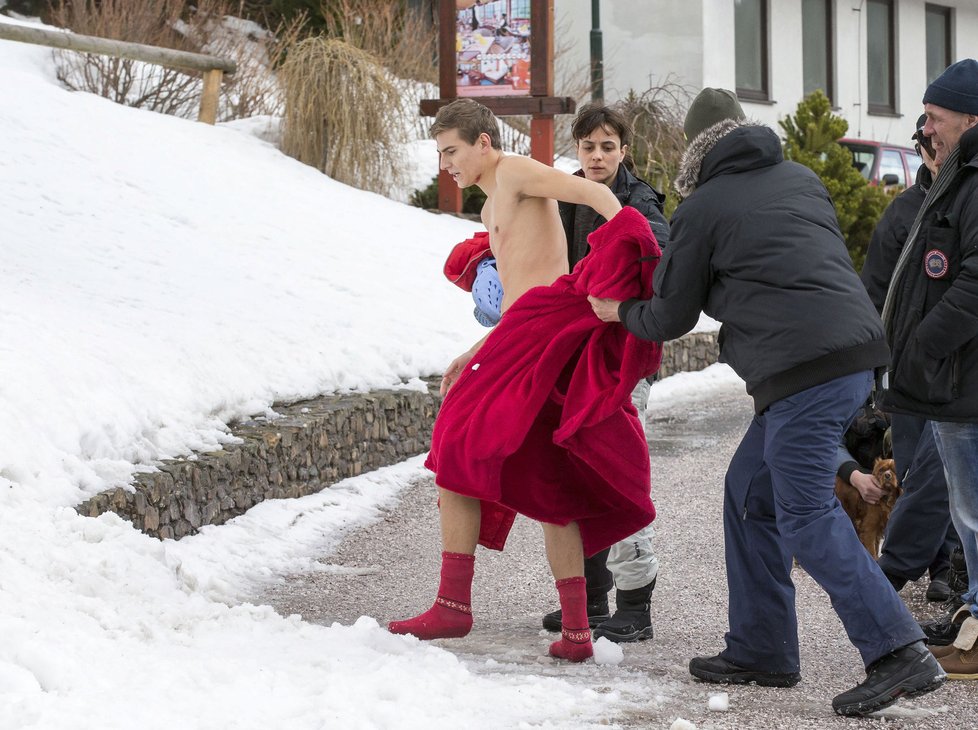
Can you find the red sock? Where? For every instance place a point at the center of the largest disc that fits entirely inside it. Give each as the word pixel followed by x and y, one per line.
pixel 575 642
pixel 451 615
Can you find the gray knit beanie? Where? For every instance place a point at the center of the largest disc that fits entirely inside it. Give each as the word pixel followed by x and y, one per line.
pixel 957 88
pixel 710 107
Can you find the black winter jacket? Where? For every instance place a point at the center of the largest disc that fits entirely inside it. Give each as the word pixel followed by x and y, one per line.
pixel 756 246
pixel 889 236
pixel 629 190
pixel 934 370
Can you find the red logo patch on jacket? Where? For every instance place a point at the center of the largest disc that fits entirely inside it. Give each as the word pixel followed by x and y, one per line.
pixel 935 264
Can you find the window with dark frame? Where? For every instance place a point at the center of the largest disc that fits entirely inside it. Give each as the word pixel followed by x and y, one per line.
pixel 750 39
pixel 938 35
pixel 816 45
pixel 880 62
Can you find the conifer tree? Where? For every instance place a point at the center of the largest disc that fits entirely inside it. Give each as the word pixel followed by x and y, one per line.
pixel 811 139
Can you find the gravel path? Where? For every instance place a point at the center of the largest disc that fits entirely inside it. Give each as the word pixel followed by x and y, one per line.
pixel 389 570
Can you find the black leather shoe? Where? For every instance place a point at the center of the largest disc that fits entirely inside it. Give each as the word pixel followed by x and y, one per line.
pixel 597 612
pixel 718 670
pixel 906 672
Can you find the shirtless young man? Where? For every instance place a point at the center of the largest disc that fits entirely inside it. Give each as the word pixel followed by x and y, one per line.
pixel 527 239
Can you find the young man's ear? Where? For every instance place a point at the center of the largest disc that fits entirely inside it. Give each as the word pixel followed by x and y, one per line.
pixel 484 141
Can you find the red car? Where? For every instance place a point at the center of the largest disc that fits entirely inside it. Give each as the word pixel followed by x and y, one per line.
pixel 883 164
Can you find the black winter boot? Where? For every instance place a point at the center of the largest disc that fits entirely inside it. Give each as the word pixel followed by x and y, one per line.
pixel 633 617
pixel 943 630
pixel 597 611
pixel 957 573
pixel 906 672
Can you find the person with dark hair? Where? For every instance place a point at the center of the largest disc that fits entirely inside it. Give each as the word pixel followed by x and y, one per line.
pixel 756 245
pixel 931 319
pixel 535 420
pixel 603 137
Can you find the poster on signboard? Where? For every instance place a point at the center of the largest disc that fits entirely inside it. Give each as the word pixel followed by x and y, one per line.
pixel 492 47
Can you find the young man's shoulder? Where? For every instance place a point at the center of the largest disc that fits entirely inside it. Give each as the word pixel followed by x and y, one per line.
pixel 517 165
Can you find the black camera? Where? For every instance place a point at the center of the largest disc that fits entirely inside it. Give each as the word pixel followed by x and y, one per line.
pixel 924 142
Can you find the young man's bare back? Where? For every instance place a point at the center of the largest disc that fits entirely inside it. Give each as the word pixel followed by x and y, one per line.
pixel 528 242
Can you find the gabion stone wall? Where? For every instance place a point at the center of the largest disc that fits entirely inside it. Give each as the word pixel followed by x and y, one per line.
pixel 689 353
pixel 316 443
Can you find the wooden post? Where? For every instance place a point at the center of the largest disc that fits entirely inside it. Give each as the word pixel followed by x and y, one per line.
pixel 542 79
pixel 542 138
pixel 209 96
pixel 449 193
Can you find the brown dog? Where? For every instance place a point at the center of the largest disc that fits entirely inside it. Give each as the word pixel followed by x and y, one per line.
pixel 870 519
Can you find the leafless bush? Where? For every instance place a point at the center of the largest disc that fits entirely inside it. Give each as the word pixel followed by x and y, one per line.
pixel 400 37
pixel 343 114
pixel 207 26
pixel 124 81
pixel 657 117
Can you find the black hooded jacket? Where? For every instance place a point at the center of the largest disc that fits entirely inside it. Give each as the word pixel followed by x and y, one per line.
pixel 756 245
pixel 889 236
pixel 629 190
pixel 934 371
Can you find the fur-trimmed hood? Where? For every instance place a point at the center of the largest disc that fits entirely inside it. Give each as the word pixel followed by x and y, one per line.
pixel 761 148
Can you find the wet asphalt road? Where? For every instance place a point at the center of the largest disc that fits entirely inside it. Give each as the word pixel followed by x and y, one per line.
pixel 389 570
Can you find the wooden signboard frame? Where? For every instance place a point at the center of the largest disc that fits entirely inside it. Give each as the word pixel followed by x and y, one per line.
pixel 540 103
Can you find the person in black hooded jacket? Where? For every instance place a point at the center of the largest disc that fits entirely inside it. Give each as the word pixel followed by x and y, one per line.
pixel 920 537
pixel 757 246
pixel 931 317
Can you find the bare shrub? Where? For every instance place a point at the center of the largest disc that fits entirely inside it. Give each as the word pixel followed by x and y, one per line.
pixel 343 114
pixel 401 37
pixel 658 144
pixel 124 81
pixel 206 26
pixel 254 88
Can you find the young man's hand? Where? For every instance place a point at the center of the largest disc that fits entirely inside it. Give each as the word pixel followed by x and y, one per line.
pixel 455 370
pixel 606 309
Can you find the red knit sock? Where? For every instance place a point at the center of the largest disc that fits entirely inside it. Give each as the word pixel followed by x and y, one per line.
pixel 451 615
pixel 575 642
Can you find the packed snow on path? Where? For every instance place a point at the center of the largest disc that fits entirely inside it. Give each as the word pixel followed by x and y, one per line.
pixel 162 278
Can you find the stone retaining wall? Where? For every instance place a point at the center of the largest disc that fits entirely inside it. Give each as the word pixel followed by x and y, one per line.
pixel 689 353
pixel 314 444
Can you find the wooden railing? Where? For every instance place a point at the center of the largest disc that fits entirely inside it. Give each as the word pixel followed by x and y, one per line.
pixel 212 67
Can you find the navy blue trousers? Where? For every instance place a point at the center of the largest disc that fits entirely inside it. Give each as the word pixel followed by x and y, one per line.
pixel 779 503
pixel 919 535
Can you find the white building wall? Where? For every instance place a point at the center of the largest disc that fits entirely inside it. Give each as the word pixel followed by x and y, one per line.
pixel 692 42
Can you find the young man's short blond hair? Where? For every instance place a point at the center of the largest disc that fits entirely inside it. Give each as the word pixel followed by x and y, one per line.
pixel 470 118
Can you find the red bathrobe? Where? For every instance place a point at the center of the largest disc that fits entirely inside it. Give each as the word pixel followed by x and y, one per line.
pixel 540 422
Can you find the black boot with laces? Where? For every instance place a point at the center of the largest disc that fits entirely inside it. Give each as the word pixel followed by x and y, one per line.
pixel 907 672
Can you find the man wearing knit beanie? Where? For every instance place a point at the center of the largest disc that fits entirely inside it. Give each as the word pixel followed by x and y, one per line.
pixel 756 245
pixel 951 106
pixel 711 106
pixel 931 315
